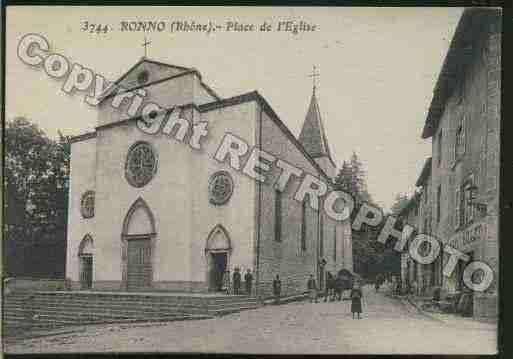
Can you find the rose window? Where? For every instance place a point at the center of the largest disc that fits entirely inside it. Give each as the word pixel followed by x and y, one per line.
pixel 141 164
pixel 220 188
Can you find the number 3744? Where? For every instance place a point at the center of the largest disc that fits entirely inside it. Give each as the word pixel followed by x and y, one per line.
pixel 95 28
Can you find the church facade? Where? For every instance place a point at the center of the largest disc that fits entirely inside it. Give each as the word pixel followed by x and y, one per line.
pixel 147 212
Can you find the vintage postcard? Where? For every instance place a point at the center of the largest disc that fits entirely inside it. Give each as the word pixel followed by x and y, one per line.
pixel 251 180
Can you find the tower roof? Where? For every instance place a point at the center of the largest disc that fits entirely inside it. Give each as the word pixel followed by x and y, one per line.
pixel 312 136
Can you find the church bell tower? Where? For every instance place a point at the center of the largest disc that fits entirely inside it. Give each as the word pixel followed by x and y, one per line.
pixel 313 138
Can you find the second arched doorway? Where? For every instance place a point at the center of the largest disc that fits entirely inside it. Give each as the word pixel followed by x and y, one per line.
pixel 218 249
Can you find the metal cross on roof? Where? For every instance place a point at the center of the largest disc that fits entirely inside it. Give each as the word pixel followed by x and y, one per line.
pixel 314 75
pixel 145 44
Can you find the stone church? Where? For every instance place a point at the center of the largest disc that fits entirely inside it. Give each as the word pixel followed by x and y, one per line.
pixel 149 213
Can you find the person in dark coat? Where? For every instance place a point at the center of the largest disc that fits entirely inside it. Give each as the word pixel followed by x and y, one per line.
pixel 312 289
pixel 329 287
pixel 226 282
pixel 236 281
pixel 339 287
pixel 378 282
pixel 277 289
pixel 356 299
pixel 248 280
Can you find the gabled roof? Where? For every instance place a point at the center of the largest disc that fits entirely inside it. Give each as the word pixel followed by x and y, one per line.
pixel 166 72
pixel 470 30
pixel 312 136
pixel 425 173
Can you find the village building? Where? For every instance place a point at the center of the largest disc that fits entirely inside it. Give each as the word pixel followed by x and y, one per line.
pixel 463 124
pixel 147 212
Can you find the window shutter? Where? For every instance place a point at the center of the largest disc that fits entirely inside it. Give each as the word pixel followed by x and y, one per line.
pixel 464 134
pixel 457 208
pixel 472 208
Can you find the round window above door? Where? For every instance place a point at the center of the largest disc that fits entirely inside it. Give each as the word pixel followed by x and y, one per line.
pixel 141 164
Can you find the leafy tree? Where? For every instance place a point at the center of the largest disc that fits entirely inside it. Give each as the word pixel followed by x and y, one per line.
pixel 36 185
pixel 401 200
pixel 370 257
pixel 352 179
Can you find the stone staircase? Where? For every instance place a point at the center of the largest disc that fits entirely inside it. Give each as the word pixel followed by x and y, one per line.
pixel 24 311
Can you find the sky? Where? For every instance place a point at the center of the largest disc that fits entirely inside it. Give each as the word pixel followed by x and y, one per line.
pixel 377 66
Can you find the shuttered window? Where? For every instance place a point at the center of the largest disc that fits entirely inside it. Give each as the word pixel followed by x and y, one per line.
pixel 457 210
pixel 321 236
pixel 303 227
pixel 277 216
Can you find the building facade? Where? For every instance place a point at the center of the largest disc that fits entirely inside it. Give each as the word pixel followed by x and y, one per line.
pixel 148 212
pixel 461 207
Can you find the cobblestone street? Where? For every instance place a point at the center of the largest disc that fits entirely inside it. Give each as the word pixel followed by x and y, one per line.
pixel 388 326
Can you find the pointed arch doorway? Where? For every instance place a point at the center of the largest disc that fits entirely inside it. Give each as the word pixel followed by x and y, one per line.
pixel 218 249
pixel 138 242
pixel 85 262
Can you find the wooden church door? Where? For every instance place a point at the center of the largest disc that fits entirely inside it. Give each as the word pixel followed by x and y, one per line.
pixel 139 269
pixel 86 272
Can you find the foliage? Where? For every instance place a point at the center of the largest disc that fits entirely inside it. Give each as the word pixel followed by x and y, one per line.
pixel 369 256
pixel 35 183
pixel 401 200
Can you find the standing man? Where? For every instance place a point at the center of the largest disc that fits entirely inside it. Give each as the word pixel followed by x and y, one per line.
pixel 236 281
pixel 248 279
pixel 226 281
pixel 277 289
pixel 338 287
pixel 312 289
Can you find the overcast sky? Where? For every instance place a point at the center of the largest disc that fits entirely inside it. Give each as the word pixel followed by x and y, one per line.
pixel 378 67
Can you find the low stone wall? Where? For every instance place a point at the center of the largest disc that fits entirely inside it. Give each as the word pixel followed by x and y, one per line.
pixel 34 284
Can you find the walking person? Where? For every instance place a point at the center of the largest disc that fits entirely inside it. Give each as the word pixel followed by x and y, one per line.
pixel 236 281
pixel 277 289
pixel 312 289
pixel 248 279
pixel 356 299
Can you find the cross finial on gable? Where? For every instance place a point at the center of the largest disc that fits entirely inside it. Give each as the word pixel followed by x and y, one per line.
pixel 314 75
pixel 145 44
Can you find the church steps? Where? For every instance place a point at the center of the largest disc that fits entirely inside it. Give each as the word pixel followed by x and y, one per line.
pixel 135 301
pixel 57 309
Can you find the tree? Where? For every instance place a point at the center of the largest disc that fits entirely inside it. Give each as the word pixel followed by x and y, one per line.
pixel 36 185
pixel 351 179
pixel 367 252
pixel 400 202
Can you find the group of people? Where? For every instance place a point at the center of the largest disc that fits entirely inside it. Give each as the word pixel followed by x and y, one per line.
pixel 233 285
pixel 334 290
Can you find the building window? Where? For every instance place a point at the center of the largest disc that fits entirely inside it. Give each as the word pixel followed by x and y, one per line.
pixel 141 164
pixel 438 206
pixel 220 188
pixel 440 148
pixel 335 244
pixel 277 216
pixel 457 208
pixel 87 204
pixel 321 236
pixel 465 212
pixel 459 148
pixel 467 215
pixel 143 76
pixel 303 226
